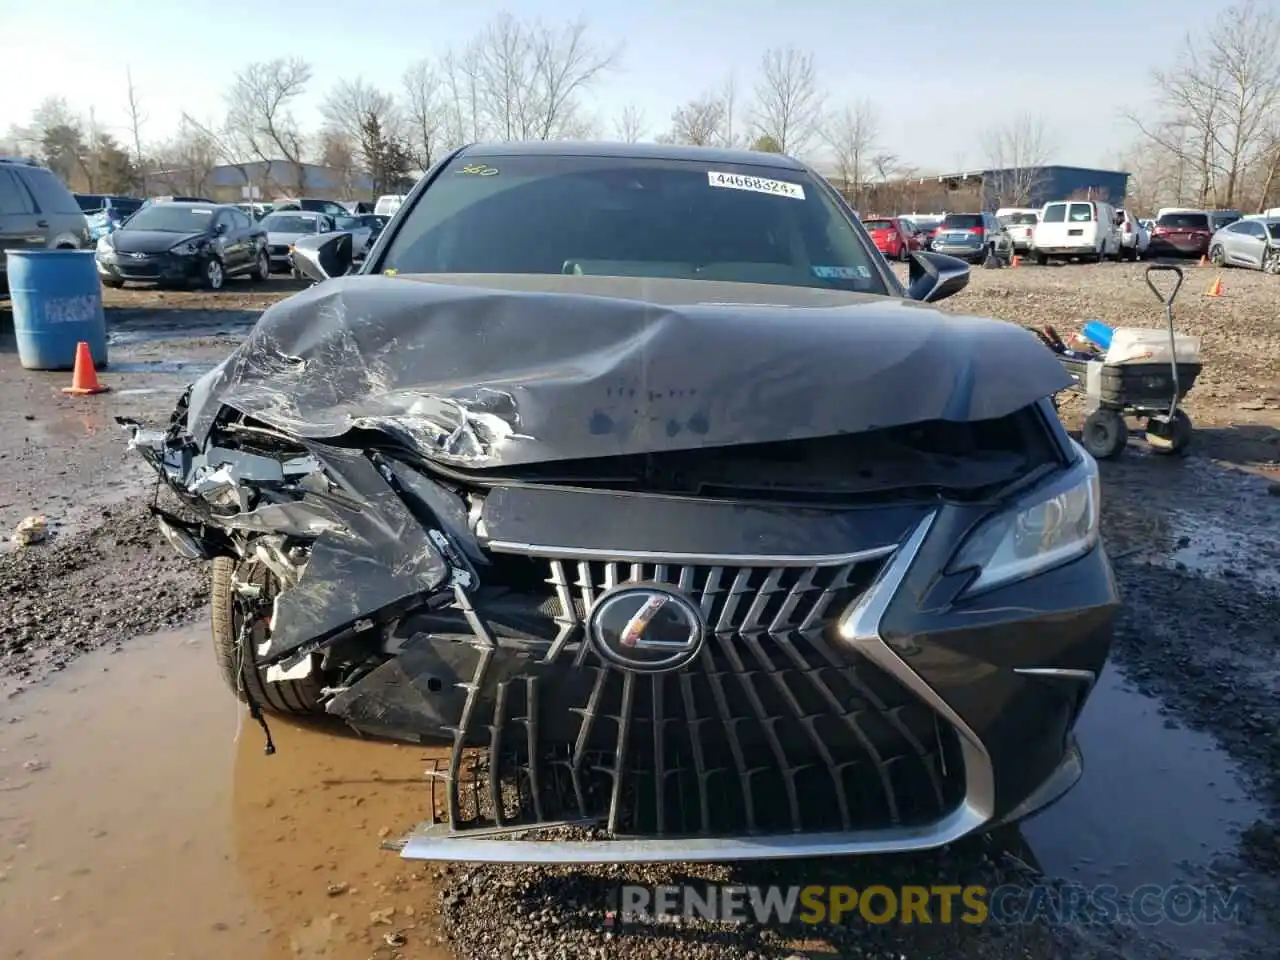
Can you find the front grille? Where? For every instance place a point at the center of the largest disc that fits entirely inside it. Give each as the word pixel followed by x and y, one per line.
pixel 279 250
pixel 774 729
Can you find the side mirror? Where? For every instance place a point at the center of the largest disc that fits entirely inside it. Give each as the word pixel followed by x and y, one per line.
pixel 933 276
pixel 323 256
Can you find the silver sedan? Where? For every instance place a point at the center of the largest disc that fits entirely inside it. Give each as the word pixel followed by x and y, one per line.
pixel 1248 243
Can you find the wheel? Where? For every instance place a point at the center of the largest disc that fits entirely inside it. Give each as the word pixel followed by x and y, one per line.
pixel 214 276
pixel 905 253
pixel 1271 262
pixel 1172 436
pixel 237 662
pixel 1042 259
pixel 1104 434
pixel 1217 255
pixel 113 284
pixel 262 270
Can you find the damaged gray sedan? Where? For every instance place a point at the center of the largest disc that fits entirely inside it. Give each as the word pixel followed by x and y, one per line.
pixel 633 478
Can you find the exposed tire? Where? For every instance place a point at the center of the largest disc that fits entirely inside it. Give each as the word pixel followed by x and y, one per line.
pixel 1217 256
pixel 1271 262
pixel 1173 437
pixel 113 284
pixel 262 270
pixel 1104 434
pixel 238 662
pixel 1042 259
pixel 214 277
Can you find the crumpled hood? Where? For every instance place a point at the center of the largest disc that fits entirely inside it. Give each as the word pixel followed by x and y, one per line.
pixel 486 371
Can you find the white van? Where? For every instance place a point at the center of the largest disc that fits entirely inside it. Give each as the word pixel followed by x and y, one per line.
pixel 1077 228
pixel 388 204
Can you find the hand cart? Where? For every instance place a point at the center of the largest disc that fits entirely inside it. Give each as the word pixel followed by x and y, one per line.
pixel 1132 379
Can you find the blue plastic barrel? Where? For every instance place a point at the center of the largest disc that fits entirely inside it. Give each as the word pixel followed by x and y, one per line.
pixel 1097 332
pixel 57 302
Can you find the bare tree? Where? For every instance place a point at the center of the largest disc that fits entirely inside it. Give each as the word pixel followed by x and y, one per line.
pixel 699 123
pixel 1216 106
pixel 788 104
pixel 137 117
pixel 523 80
pixel 425 112
pixel 260 117
pixel 182 165
pixel 729 135
pixel 350 102
pixel 1016 154
pixel 630 126
pixel 852 132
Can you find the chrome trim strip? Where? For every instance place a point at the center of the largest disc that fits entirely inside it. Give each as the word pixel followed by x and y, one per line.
pixel 1055 786
pixel 861 627
pixel 1064 673
pixel 690 559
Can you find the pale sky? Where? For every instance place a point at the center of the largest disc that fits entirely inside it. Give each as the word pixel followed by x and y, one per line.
pixel 938 71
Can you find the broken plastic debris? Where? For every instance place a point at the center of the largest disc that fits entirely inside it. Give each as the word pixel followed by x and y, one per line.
pixel 30 530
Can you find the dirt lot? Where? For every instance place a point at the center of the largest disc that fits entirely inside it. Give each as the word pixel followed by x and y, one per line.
pixel 1184 761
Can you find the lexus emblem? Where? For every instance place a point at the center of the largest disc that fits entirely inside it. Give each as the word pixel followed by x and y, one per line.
pixel 646 628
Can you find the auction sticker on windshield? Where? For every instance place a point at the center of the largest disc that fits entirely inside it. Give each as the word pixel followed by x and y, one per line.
pixel 736 181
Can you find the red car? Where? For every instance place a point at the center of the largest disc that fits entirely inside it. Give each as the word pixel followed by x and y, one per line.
pixel 891 237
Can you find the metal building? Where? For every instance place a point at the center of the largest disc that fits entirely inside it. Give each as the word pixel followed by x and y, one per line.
pixel 1030 187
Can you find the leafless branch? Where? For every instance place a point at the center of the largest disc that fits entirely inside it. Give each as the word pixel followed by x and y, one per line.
pixel 1015 155
pixel 630 125
pixel 788 104
pixel 425 112
pixel 259 112
pixel 852 133
pixel 137 117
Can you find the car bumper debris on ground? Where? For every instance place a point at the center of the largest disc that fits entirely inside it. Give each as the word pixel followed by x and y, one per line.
pixel 299 872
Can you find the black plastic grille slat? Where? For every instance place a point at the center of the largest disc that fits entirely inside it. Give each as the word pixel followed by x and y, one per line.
pixel 774 728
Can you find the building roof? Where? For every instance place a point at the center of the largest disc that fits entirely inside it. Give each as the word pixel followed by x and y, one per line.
pixel 978 174
pixel 638 151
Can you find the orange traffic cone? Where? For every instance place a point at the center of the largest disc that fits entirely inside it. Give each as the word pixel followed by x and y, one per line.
pixel 1215 288
pixel 1204 261
pixel 84 379
pixel 1015 261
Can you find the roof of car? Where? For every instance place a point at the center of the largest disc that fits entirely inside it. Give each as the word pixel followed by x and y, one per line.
pixel 636 151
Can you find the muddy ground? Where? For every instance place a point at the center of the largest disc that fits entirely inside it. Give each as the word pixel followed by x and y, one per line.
pixel 1182 751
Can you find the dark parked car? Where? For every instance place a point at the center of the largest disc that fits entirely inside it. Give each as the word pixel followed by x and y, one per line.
pixel 37 212
pixel 184 243
pixel 634 477
pixel 310 204
pixel 1185 234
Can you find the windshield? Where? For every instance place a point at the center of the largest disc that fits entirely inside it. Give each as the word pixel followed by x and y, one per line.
pixel 1080 213
pixel 290 223
pixel 612 216
pixel 962 221
pixel 1184 221
pixel 878 224
pixel 171 218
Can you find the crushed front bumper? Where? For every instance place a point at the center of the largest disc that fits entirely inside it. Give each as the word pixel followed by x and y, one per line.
pixel 150 267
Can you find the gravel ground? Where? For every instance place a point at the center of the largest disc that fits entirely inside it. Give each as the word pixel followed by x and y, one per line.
pixel 1200 632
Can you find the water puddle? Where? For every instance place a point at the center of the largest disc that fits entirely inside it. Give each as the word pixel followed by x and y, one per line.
pixel 131 816
pixel 1157 800
pixel 1212 546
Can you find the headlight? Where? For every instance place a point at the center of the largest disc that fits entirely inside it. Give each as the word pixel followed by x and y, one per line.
pixel 1053 525
pixel 188 249
pixel 104 245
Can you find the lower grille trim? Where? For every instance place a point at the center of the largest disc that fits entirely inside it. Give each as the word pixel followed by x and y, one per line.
pixel 861 629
